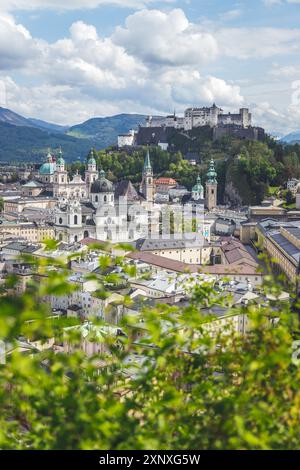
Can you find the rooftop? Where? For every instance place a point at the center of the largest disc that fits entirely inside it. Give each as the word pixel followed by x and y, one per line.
pixel 178 266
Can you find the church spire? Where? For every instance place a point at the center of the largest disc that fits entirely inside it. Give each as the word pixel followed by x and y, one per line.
pixel 147 164
pixel 147 185
pixel 212 174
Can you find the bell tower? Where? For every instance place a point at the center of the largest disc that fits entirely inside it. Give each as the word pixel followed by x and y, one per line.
pixel 91 174
pixel 211 187
pixel 147 184
pixel 60 176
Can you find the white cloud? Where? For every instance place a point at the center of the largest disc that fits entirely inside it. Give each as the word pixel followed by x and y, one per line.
pixel 287 71
pixel 155 62
pixel 11 5
pixel 165 38
pixel 231 14
pixel 283 121
pixel 16 44
pixel 245 43
pixel 102 75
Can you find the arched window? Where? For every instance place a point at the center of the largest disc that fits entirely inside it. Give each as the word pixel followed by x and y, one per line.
pixel 86 234
pixel 96 199
pixel 76 238
pixel 60 221
pixel 112 199
pixel 105 198
pixel 75 220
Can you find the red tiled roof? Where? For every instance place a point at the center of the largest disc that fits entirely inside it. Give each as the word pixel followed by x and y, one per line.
pixel 178 266
pixel 166 181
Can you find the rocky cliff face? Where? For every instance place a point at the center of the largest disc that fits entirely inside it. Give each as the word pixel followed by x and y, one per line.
pixel 231 195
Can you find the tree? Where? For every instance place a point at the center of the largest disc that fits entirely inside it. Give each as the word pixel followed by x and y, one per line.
pixel 183 387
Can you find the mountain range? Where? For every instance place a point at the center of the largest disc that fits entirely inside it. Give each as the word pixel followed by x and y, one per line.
pixel 292 138
pixel 28 139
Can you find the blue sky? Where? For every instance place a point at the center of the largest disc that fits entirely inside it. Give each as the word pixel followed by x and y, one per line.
pixel 68 61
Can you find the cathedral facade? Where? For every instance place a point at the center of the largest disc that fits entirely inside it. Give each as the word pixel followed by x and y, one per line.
pixel 94 207
pixel 98 209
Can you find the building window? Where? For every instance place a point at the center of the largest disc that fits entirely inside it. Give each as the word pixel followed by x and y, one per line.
pixel 60 221
pixel 105 198
pixel 75 220
pixel 96 199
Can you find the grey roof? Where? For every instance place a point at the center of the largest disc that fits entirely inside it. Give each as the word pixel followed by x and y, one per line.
pixel 286 246
pixel 22 247
pixel 295 231
pixel 33 184
pixel 225 222
pixel 126 189
pixel 160 244
pixel 102 185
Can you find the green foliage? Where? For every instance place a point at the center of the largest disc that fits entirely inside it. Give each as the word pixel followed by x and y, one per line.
pixel 28 144
pixel 182 388
pixel 103 132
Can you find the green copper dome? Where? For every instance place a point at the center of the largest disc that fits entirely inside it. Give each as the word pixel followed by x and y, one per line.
pixel 198 188
pixel 212 174
pixel 60 160
pixel 91 158
pixel 48 168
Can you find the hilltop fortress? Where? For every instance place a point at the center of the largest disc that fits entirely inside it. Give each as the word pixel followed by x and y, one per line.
pixel 199 117
pixel 158 130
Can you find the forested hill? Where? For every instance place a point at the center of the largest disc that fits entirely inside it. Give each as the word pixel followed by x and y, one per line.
pixel 103 132
pixel 24 144
pixel 246 169
pixel 25 139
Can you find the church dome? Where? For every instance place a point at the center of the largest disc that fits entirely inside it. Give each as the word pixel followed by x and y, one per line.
pixel 47 168
pixel 198 188
pixel 91 158
pixel 92 161
pixel 102 185
pixel 60 160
